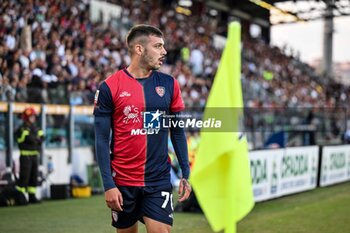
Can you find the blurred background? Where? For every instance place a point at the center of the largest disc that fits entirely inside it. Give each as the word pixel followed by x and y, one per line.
pixel 295 75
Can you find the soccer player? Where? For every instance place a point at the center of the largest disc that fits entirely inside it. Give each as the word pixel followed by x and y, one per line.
pixel 136 174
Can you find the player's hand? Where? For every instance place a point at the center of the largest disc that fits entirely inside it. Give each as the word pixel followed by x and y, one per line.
pixel 114 199
pixel 185 190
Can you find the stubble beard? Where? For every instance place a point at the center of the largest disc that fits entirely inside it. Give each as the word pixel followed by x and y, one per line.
pixel 147 62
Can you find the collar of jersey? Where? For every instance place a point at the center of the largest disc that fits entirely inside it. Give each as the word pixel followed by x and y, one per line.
pixel 130 75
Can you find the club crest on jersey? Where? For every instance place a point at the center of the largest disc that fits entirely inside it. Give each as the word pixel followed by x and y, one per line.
pixel 160 91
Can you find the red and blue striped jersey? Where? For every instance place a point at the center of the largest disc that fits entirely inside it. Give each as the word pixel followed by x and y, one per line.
pixel 138 159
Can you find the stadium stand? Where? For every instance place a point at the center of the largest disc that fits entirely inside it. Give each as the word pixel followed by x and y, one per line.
pixel 51 52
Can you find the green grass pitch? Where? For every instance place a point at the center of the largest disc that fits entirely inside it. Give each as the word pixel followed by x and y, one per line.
pixel 323 210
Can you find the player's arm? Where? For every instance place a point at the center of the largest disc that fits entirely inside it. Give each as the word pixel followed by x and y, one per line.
pixel 103 117
pixel 178 139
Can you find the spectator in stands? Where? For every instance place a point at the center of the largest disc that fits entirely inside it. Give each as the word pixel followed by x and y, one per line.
pixel 346 138
pixel 59 39
pixel 35 88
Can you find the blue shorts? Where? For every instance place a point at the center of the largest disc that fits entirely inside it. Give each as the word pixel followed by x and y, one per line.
pixel 155 202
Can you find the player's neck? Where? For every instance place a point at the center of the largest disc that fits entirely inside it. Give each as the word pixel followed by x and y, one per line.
pixel 138 72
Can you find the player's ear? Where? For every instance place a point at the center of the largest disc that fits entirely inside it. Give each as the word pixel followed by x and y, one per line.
pixel 139 49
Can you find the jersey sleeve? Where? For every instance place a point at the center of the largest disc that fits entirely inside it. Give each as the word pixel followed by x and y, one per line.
pixel 103 101
pixel 177 103
pixel 103 110
pixel 178 139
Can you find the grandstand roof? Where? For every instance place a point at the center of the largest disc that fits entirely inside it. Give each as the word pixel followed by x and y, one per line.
pixel 242 9
pixel 249 10
pixel 245 9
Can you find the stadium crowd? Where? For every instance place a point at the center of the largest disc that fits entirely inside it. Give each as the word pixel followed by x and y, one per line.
pixel 51 52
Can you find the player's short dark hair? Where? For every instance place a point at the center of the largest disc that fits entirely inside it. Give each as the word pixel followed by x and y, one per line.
pixel 142 30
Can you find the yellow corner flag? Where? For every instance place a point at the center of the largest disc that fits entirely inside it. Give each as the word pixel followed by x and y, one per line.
pixel 221 174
